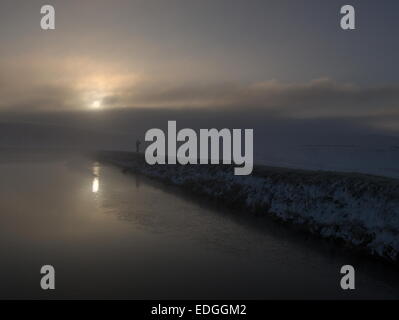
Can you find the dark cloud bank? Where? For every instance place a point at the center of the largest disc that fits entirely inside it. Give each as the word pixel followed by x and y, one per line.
pixel 294 124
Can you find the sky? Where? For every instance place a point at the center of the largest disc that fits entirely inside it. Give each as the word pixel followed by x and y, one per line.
pixel 277 61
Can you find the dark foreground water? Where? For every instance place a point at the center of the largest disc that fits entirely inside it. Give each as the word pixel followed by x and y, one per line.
pixel 111 235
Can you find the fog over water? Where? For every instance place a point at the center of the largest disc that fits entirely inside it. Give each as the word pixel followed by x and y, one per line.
pixel 339 144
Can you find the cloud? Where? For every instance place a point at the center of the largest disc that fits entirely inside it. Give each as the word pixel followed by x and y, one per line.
pixel 317 98
pixel 30 83
pixel 74 83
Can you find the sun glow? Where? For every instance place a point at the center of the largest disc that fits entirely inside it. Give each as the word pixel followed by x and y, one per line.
pixel 96 104
pixel 99 83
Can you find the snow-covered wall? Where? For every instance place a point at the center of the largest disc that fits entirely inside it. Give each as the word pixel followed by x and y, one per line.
pixel 361 210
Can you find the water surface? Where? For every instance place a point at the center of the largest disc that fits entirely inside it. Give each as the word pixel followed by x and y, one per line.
pixel 112 235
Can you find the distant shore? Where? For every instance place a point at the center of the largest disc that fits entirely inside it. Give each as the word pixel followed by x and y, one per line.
pixel 358 210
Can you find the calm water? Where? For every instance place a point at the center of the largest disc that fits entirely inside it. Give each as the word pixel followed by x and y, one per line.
pixel 111 235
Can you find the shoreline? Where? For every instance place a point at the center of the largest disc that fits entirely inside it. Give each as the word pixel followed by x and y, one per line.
pixel 358 210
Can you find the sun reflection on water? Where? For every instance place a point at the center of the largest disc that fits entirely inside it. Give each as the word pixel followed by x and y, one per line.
pixel 96 180
pixel 95 185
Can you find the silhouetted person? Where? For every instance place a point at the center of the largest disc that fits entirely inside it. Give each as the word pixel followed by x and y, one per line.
pixel 138 143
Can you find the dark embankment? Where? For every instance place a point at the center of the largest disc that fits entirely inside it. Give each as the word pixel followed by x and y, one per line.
pixel 359 210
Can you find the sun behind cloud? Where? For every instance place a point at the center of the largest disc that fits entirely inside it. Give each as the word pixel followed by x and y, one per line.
pixel 96 105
